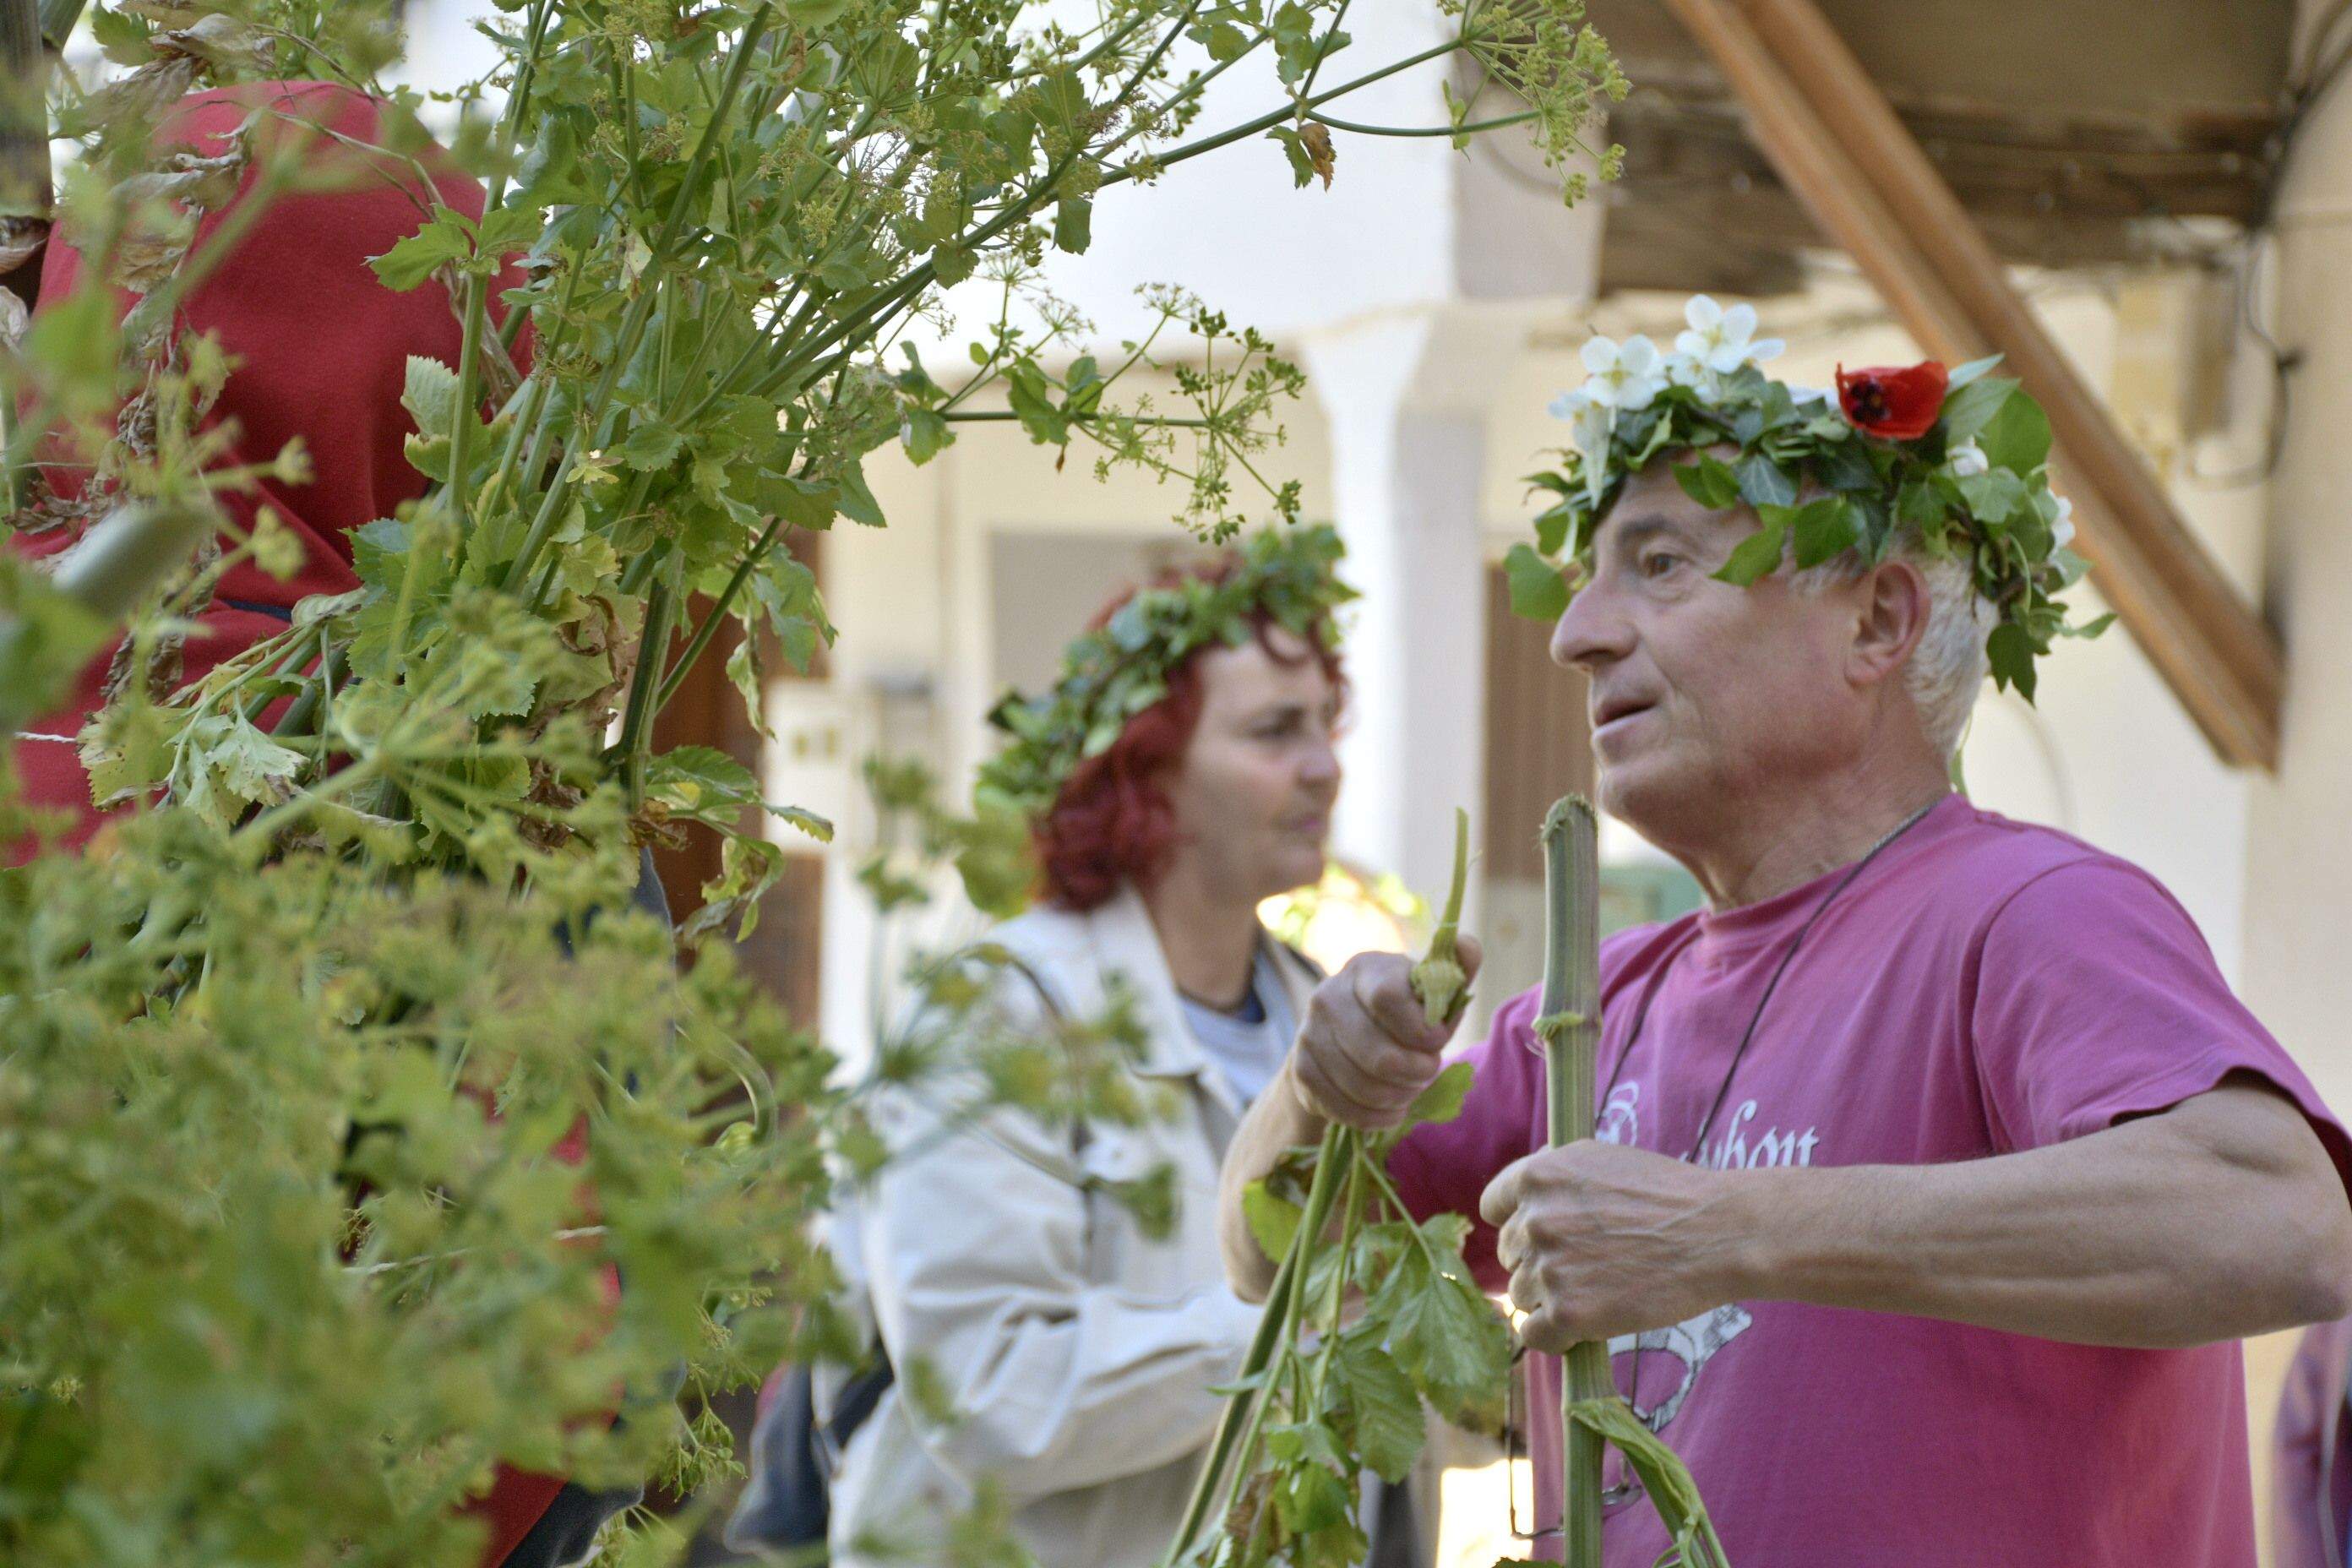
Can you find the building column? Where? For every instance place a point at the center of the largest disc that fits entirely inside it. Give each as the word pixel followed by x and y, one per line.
pixel 1406 397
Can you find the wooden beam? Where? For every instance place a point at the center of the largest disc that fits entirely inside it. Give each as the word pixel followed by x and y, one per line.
pixel 1839 145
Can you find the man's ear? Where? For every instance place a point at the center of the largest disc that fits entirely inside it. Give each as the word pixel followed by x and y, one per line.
pixel 1891 618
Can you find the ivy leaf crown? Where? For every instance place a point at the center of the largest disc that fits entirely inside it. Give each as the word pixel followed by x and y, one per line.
pixel 1953 463
pixel 1110 674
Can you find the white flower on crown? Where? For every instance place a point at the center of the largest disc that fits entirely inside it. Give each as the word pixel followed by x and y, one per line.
pixel 1593 423
pixel 1682 370
pixel 1969 460
pixel 1801 395
pixel 1627 375
pixel 2062 532
pixel 1723 340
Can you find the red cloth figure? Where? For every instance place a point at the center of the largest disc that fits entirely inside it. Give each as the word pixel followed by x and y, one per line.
pixel 321 349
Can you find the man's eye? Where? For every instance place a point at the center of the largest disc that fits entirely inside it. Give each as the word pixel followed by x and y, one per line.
pixel 1658 562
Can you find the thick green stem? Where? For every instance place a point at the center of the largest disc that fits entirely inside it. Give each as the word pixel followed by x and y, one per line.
pixel 636 722
pixel 641 309
pixel 1568 1021
pixel 475 307
pixel 1241 1417
pixel 681 666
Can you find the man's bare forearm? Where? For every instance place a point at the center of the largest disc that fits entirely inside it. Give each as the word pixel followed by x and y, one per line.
pixel 1278 1121
pixel 2220 1218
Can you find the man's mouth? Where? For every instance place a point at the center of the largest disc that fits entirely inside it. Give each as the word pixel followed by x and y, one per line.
pixel 1609 710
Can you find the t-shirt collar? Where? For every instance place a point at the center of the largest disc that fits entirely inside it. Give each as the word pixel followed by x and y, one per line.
pixel 1727 936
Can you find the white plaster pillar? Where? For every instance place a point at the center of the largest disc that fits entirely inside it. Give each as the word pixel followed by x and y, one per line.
pixel 1405 394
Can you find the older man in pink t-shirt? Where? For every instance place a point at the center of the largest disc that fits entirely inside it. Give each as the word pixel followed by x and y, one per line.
pixel 1938 1168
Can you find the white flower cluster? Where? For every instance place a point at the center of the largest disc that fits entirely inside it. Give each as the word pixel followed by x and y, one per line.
pixel 1627 377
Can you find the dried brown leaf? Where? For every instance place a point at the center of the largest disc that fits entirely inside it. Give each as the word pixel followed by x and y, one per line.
pixel 224 43
pixel 1315 138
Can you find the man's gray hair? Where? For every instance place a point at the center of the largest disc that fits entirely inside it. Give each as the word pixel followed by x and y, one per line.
pixel 1948 667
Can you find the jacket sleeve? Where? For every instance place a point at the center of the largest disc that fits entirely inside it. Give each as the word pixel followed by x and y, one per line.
pixel 2299 1492
pixel 975 1243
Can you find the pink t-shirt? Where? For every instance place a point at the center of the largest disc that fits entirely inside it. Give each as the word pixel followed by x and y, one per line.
pixel 1982 987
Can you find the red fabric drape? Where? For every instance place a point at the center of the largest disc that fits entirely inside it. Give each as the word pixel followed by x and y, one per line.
pixel 321 350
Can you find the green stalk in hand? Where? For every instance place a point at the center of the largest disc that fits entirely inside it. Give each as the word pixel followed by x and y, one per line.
pixel 1273 1360
pixel 1593 1416
pixel 1438 979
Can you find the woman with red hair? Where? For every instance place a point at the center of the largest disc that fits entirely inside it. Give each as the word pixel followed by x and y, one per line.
pixel 1181 772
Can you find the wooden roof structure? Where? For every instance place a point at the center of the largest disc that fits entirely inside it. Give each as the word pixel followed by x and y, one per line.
pixel 2076 131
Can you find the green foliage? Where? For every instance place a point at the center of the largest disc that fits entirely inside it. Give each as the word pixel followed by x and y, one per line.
pixel 1372 1315
pixel 1975 486
pixel 305 1179
pixel 338 1081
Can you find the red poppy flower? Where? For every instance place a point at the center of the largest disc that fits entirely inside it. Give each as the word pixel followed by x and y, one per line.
pixel 1899 405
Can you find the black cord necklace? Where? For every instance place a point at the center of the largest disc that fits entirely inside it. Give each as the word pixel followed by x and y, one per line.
pixel 1789 956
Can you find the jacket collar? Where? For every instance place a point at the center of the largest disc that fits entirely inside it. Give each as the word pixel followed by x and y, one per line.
pixel 1126 942
pixel 1125 945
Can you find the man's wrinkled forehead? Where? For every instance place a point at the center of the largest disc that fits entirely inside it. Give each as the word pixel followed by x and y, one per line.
pixel 1651 504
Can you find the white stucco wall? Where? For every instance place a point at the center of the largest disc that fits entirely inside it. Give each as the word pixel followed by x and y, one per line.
pixel 2299 853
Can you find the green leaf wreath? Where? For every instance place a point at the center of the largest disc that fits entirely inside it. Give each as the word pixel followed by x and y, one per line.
pixel 1953 463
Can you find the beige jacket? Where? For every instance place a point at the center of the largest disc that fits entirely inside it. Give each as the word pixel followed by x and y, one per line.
pixel 1078 1352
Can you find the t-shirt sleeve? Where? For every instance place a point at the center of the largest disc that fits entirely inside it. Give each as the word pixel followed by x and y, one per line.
pixel 2095 999
pixel 1442 1167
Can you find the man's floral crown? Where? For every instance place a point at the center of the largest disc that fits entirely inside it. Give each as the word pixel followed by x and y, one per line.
pixel 1117 672
pixel 1953 463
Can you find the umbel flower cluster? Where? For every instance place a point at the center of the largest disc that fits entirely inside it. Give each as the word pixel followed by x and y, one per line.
pixel 1944 463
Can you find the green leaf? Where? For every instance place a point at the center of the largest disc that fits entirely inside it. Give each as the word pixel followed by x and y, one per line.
pixel 1755 557
pixel 1442 1101
pixel 1448 1338
pixel 650 447
pixel 1763 482
pixel 1074 217
pixel 1971 408
pixel 1823 529
pixel 924 435
pixel 2010 651
pixel 856 502
pixel 429 393
pixel 448 236
pixel 1664 1479
pixel 1709 481
pixel 1302 162
pixel 1273 1221
pixel 1383 1419
pixel 809 16
pixel 1551 527
pixel 1538 591
pixel 510 228
pixel 1993 496
pixel 2018 436
pixel 1972 371
pixel 1309 1499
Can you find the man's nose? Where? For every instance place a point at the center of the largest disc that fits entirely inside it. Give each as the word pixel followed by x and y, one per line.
pixel 1591 630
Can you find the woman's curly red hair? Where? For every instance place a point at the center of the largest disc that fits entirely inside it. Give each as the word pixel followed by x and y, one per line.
pixel 1113 822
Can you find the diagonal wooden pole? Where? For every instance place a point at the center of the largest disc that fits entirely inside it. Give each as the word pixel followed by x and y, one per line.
pixel 1840 146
